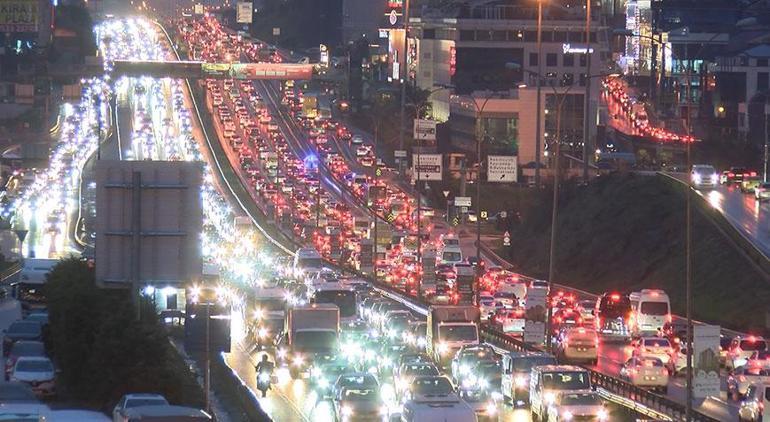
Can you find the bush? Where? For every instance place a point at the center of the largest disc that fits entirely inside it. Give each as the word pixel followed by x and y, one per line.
pixel 101 349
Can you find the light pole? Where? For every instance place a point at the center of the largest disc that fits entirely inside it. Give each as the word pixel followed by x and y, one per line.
pixel 403 80
pixel 587 105
pixel 538 124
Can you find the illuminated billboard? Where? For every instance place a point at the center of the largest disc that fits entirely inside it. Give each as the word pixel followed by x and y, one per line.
pixel 19 15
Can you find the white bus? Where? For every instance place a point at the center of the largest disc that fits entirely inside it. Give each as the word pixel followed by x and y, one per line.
pixel 307 259
pixel 650 311
pixel 339 294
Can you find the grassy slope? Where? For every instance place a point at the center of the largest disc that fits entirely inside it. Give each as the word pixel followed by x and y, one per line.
pixel 627 232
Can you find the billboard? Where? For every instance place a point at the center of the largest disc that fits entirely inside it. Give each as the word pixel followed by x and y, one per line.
pixel 280 71
pixel 705 361
pixel 534 325
pixel 19 15
pixel 427 167
pixel 243 13
pixel 424 130
pixel 148 223
pixel 502 168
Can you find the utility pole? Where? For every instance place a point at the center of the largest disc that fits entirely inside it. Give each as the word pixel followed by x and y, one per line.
pixel 539 105
pixel 688 245
pixel 402 62
pixel 587 97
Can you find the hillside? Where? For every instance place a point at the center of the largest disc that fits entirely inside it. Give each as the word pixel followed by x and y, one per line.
pixel 628 232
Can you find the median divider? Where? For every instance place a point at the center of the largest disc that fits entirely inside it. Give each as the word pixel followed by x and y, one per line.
pixel 230 384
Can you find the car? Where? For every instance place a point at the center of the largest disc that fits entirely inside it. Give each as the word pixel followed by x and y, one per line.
pixel 363 150
pixel 677 361
pixel 646 372
pixel 38 372
pixel 415 336
pixel 20 349
pixel 509 320
pixel 583 406
pixel 354 380
pixel 750 184
pixel 130 401
pixel 407 372
pixel 481 401
pixel 361 404
pixel 21 330
pixel 486 305
pixel 465 358
pixel 735 175
pixel 703 176
pixel 740 379
pixel 323 373
pixel 757 399
pixel 652 347
pixel 431 389
pixel 762 191
pixel 741 348
pixel 516 368
pixel 357 140
pixel 578 344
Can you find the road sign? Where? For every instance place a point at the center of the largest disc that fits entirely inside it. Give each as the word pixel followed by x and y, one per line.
pixel 276 31
pixel 446 193
pixel 503 214
pixel 507 239
pixel 455 221
pixel 706 361
pixel 463 210
pixel 502 168
pixel 424 130
pixel 21 234
pixel 378 172
pixel 198 9
pixel 427 166
pixel 462 201
pixel 244 11
pixel 399 153
pixel 484 215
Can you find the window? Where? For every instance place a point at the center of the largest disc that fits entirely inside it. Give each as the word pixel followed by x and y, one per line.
pixel 762 79
pixel 761 62
pixel 550 59
pixel 530 36
pixel 560 36
pixel 483 35
pixel 547 36
pixel 429 34
pixel 582 79
pixel 568 60
pixel 583 58
pixel 533 59
pixel 498 35
pixel 467 36
pixel 576 36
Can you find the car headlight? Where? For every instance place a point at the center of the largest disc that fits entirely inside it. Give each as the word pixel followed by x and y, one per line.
pixel 282 353
pixel 696 178
pixel 602 415
pixel 520 381
pixel 443 348
pixel 402 384
pixel 346 411
pixel 384 411
pixel 714 178
pixel 567 415
pixel 298 360
pixel 421 341
pixel 262 333
pixel 491 408
pixel 549 397
pixel 323 383
pixel 497 396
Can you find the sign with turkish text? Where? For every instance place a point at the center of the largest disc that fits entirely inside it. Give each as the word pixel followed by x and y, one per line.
pixel 534 325
pixel 244 12
pixel 19 15
pixel 705 361
pixel 424 130
pixel 427 166
pixel 502 168
pixel 198 9
pixel 462 201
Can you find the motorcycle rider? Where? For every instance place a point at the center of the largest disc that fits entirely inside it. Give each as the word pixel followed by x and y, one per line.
pixel 264 367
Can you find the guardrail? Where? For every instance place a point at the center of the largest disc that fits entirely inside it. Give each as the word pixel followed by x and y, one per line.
pixel 232 385
pixel 10 272
pixel 739 240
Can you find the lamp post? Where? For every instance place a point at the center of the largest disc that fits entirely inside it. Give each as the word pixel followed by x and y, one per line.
pixel 587 106
pixel 538 118
pixel 403 80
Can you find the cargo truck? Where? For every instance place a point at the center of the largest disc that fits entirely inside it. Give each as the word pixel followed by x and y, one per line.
pixel 311 335
pixel 450 328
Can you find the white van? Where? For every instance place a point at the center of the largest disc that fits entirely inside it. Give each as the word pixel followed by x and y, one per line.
pixel 546 382
pixel 757 399
pixel 307 259
pixel 451 255
pixel 650 311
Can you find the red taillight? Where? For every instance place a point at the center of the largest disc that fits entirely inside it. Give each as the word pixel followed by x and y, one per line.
pixel 753 174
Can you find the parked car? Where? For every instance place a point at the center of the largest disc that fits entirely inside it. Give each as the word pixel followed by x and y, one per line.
pixel 21 330
pixel 21 349
pixel 130 401
pixel 36 371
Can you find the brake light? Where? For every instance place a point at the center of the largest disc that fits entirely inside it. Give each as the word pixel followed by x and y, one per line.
pixel 753 174
pixel 615 297
pixel 731 174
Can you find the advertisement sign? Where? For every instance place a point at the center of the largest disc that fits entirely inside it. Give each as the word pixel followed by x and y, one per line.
pixel 705 361
pixel 502 168
pixel 243 13
pixel 534 326
pixel 426 166
pixel 424 130
pixel 324 55
pixel 19 15
pixel 267 71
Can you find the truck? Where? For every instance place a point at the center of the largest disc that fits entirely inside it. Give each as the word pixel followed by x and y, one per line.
pixel 464 284
pixel 310 106
pixel 311 334
pixel 449 328
pixel 269 313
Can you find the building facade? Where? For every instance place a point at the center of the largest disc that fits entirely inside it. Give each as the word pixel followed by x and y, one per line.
pixel 486 53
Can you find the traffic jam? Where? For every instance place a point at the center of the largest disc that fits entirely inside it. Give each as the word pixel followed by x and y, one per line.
pixel 401 359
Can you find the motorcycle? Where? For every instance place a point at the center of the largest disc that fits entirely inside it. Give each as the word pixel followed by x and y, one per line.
pixel 263 382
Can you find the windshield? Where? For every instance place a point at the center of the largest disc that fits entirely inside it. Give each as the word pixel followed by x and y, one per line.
pixel 34 366
pixel 566 380
pixel 586 399
pixel 344 299
pixel 421 330
pixel 358 380
pixel 526 364
pixel 654 308
pixel 753 345
pixel 315 340
pixel 145 402
pixel 361 395
pixel 438 386
pixel 489 368
pixel 421 370
pixel 505 295
pixel 451 256
pixel 656 342
pixel 400 322
pixel 28 348
pixel 458 333
pixel 31 328
pixel 611 307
